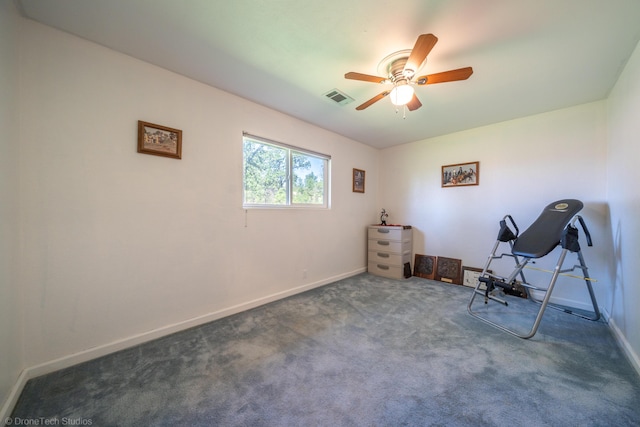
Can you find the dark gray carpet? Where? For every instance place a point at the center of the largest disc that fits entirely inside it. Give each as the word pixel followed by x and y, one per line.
pixel 365 351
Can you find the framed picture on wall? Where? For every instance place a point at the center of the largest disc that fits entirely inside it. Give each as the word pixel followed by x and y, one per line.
pixel 358 180
pixel 159 140
pixel 461 174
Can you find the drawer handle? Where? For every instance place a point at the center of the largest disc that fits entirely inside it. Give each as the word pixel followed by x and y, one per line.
pixel 383 243
pixel 382 230
pixel 383 267
pixel 383 255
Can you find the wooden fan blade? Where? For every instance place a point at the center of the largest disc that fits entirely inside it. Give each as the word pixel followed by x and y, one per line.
pixel 373 100
pixel 423 46
pixel 445 76
pixel 414 104
pixel 364 77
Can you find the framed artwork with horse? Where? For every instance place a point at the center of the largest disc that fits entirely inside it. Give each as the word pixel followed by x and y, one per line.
pixel 461 174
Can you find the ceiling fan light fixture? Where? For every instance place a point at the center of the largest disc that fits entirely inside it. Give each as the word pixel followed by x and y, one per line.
pixel 401 94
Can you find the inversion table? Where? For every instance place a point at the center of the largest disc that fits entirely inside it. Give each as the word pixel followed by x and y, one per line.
pixel 555 226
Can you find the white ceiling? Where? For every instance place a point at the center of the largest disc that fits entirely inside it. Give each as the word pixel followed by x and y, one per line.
pixel 528 56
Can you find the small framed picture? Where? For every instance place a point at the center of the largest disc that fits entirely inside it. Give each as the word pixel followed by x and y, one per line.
pixel 470 276
pixel 449 270
pixel 461 174
pixel 159 140
pixel 358 180
pixel 424 266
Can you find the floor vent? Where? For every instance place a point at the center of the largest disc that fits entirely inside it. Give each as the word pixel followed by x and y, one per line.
pixel 339 97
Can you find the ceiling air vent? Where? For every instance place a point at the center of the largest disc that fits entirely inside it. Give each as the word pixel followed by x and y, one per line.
pixel 339 97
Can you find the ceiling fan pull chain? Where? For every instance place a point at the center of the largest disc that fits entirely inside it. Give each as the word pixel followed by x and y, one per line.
pixel 404 110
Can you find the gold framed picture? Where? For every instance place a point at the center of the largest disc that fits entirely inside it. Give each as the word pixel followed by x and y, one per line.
pixel 358 180
pixel 461 174
pixel 159 140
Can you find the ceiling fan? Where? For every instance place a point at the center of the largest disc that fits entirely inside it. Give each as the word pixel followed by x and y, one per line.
pixel 401 68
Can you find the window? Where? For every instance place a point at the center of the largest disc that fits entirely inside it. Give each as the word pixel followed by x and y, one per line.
pixel 280 175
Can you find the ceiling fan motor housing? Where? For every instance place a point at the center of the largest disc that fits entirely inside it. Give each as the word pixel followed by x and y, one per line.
pixel 397 72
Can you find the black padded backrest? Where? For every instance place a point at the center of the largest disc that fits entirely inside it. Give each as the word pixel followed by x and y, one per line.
pixel 544 234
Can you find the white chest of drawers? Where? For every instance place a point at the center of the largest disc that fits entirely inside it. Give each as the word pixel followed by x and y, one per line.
pixel 389 250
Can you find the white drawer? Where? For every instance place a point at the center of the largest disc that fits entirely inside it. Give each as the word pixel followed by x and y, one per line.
pixel 391 271
pixel 389 246
pixel 389 258
pixel 387 233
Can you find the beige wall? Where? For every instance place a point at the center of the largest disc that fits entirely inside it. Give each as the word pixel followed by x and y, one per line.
pixel 624 199
pixel 525 164
pixel 119 244
pixel 11 337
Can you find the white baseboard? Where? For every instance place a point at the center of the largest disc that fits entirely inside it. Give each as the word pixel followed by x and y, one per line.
pixel 626 347
pixel 112 347
pixel 620 338
pixel 539 295
pixel 14 395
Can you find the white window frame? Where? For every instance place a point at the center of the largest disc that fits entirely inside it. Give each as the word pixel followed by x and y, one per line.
pixel 290 149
